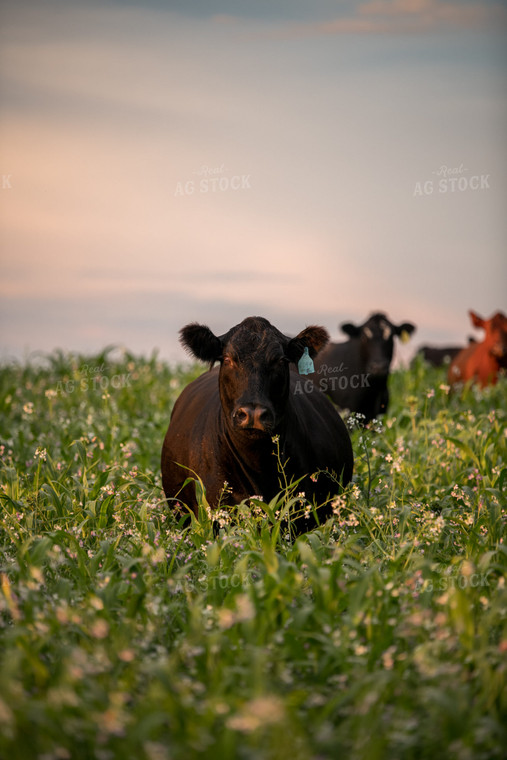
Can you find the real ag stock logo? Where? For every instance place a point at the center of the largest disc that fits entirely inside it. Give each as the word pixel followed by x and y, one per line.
pixel 452 179
pixel 332 378
pixel 94 379
pixel 213 179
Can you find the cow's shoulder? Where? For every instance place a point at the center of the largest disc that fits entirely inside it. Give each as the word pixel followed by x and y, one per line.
pixel 199 400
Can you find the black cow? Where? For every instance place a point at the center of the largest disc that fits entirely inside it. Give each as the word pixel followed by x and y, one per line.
pixel 222 425
pixel 437 356
pixel 354 374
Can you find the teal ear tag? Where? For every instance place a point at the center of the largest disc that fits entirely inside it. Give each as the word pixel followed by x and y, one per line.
pixel 305 364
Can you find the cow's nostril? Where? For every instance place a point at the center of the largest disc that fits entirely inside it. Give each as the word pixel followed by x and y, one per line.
pixel 242 416
pixel 264 418
pixel 253 416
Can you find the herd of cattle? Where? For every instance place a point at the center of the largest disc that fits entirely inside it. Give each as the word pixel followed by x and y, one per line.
pixel 224 423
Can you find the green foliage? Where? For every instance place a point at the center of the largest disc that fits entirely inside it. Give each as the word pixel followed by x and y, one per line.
pixel 126 632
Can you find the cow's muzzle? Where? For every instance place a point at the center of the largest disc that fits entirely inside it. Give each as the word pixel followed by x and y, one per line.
pixel 254 416
pixel 378 368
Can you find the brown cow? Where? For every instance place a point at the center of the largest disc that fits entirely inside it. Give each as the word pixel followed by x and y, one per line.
pixel 222 425
pixel 481 362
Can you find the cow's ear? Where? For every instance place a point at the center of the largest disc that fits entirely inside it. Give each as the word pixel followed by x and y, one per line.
pixel 349 329
pixel 313 338
pixel 477 321
pixel 404 331
pixel 201 343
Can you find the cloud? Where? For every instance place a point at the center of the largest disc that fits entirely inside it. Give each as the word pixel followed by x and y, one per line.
pixel 400 17
pixel 108 113
pixel 143 321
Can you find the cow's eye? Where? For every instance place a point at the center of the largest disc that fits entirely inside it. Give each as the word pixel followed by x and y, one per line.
pixel 228 362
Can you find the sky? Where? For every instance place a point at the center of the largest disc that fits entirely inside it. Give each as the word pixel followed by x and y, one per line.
pixel 207 160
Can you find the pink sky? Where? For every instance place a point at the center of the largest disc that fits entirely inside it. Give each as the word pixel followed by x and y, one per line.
pixel 324 144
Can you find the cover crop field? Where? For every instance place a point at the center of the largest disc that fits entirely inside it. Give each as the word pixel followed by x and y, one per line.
pixel 126 634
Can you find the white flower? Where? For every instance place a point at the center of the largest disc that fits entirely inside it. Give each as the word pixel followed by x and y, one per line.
pixel 40 453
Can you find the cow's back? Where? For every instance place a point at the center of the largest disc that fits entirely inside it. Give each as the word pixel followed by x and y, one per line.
pixel 437 356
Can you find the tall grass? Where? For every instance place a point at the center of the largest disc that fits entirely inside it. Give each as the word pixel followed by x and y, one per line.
pixel 126 633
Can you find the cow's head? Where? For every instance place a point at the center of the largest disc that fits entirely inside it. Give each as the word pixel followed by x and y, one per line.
pixel 376 340
pixel 496 334
pixel 254 368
